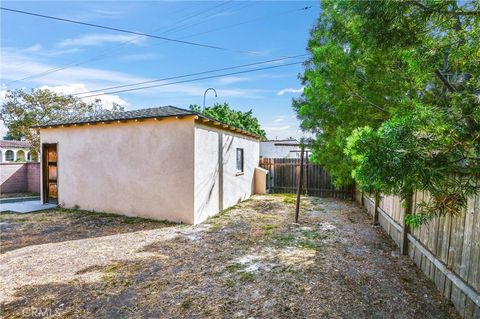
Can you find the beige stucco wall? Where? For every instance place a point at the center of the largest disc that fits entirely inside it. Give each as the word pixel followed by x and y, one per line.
pixel 260 177
pixel 213 169
pixel 137 168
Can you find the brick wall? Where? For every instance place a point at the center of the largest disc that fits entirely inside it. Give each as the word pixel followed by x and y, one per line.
pixel 19 177
pixel 33 177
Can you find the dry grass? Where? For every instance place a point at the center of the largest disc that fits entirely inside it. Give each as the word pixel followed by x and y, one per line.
pixel 254 262
pixel 56 225
pixel 13 195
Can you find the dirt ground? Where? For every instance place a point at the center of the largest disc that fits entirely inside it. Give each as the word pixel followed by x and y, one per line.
pixel 56 225
pixel 249 262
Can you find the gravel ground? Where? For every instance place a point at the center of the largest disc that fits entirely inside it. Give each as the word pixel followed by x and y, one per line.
pixel 249 262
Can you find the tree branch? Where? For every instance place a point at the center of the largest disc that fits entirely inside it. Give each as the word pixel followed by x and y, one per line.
pixel 444 80
pixel 453 13
pixel 352 92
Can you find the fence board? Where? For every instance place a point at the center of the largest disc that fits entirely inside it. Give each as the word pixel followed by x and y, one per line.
pixel 447 249
pixel 284 172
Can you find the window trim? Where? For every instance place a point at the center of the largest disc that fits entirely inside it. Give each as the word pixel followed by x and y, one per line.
pixel 242 162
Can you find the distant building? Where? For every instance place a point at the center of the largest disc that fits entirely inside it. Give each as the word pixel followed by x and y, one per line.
pixel 16 151
pixel 279 149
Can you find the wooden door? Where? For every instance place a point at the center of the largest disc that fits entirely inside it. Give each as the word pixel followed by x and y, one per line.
pixel 50 173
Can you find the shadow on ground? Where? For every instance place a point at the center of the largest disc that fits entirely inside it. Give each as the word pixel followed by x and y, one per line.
pixel 19 230
pixel 254 262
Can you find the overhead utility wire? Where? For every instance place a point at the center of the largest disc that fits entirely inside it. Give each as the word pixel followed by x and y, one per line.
pixel 130 32
pixel 107 51
pixel 191 74
pixel 176 29
pixel 244 22
pixel 196 79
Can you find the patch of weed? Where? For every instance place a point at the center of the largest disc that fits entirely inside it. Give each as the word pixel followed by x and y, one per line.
pixel 308 239
pixel 186 304
pixel 287 195
pixel 265 216
pixel 285 240
pixel 230 283
pixel 269 228
pixel 310 234
pixel 236 267
pixel 289 200
pixel 307 244
pixel 108 277
pixel 111 277
pixel 216 221
pixel 246 276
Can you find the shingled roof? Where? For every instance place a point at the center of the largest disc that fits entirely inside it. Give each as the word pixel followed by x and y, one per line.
pixel 155 112
pixel 14 144
pixel 150 113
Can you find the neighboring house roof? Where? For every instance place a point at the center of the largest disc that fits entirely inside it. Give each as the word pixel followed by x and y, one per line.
pixel 14 144
pixel 272 141
pixel 150 113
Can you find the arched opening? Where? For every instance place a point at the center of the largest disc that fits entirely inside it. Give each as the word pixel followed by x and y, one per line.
pixel 9 156
pixel 33 156
pixel 20 156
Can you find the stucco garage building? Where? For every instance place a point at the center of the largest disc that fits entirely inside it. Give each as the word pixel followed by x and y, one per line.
pixel 162 163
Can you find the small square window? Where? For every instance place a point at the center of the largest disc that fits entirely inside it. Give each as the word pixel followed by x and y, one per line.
pixel 239 160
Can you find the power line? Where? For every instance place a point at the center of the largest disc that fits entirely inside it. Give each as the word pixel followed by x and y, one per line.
pixel 128 31
pixel 245 22
pixel 191 74
pixel 176 29
pixel 168 31
pixel 196 79
pixel 106 51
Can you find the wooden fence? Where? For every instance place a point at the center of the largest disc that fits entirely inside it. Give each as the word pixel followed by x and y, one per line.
pixel 284 173
pixel 447 249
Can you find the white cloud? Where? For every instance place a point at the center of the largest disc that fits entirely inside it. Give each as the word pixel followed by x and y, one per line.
pixel 283 126
pixel 106 100
pixel 87 11
pixel 290 90
pixel 139 57
pixel 277 128
pixel 34 48
pixel 100 39
pixel 94 79
pixel 232 79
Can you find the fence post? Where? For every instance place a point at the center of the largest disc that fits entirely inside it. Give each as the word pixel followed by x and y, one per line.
pixel 375 212
pixel 299 185
pixel 405 227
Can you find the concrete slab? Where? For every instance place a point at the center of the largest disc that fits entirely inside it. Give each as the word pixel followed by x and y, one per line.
pixel 25 207
pixel 18 199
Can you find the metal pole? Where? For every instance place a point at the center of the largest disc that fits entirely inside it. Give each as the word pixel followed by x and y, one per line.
pixel 299 185
pixel 306 172
pixel 205 93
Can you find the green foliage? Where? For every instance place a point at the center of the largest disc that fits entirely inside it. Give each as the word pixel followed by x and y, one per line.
pixel 223 112
pixel 21 110
pixel 392 93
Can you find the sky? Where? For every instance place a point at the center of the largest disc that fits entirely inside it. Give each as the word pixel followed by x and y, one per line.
pixel 71 58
